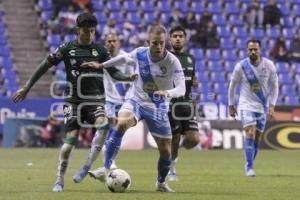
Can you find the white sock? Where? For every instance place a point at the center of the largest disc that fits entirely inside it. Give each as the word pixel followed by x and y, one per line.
pixel 96 146
pixel 63 161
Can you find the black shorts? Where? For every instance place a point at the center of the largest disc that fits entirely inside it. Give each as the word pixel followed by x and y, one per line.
pixel 77 115
pixel 182 118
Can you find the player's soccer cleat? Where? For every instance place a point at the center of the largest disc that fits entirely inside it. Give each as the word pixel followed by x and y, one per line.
pixel 250 173
pixel 99 174
pixel 172 177
pixel 113 165
pixel 163 187
pixel 58 187
pixel 81 174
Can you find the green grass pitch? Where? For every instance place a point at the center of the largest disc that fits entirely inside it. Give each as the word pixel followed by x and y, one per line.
pixel 203 175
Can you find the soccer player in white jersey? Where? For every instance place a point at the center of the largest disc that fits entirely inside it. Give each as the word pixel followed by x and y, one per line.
pixel 160 78
pixel 115 91
pixel 258 79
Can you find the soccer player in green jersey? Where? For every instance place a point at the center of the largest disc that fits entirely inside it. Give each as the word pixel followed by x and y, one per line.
pixel 85 98
pixel 182 111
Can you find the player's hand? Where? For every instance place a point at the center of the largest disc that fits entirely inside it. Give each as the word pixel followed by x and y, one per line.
pixel 271 111
pixel 232 111
pixel 162 93
pixel 92 65
pixel 134 77
pixel 19 95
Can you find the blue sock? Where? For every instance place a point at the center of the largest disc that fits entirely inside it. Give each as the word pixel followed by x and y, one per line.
pixel 113 143
pixel 249 152
pixel 163 167
pixel 255 150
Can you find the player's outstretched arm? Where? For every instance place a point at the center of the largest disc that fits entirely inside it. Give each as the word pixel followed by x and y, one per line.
pixel 21 94
pixel 92 65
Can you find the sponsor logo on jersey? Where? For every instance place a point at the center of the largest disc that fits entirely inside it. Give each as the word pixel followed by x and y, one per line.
pixel 72 52
pixel 95 52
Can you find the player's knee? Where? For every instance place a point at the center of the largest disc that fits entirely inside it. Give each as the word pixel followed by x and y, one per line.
pixel 191 140
pixel 250 131
pixel 123 125
pixel 101 123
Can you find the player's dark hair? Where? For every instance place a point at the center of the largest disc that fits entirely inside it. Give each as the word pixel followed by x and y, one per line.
pixel 254 41
pixel 86 20
pixel 177 28
pixel 158 29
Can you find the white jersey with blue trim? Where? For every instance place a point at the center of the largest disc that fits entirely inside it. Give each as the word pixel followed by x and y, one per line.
pixel 266 75
pixel 116 91
pixel 167 74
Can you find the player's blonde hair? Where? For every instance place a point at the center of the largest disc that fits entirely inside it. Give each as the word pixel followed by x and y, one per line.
pixel 157 29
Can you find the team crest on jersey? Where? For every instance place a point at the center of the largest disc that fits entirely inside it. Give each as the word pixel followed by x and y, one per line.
pixel 255 87
pixel 72 52
pixel 95 52
pixel 149 87
pixel 163 70
pixel 189 60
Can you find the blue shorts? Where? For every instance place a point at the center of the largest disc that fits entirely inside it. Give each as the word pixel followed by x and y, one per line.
pixel 250 118
pixel 157 120
pixel 112 109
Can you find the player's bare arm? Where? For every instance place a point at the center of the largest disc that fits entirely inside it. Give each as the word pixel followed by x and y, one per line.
pixel 21 94
pixel 92 65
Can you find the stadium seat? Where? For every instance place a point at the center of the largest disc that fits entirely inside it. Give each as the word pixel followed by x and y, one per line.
pixel 240 32
pixel 101 17
pixel 282 67
pixel 296 10
pixel 273 32
pixel 257 33
pixel 197 7
pixel 45 4
pixel 147 6
pixel 236 20
pixel 213 54
pixel 113 6
pixel 229 55
pixel 226 43
pixel 149 17
pixel 46 15
pixel 219 19
pixel 118 17
pixel 164 7
pixel 98 6
pixel 229 65
pixel 232 8
pixel 134 18
pixel 223 31
pixel 181 5
pixel 54 39
pixel 214 8
pixel 197 53
pixel 130 6
pixel 203 77
pixel 215 66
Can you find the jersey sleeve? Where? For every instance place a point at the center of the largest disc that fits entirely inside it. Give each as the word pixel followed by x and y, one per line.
pixel 273 80
pixel 178 80
pixel 57 56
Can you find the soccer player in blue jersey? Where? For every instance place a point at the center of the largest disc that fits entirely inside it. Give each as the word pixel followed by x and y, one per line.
pixel 258 79
pixel 160 78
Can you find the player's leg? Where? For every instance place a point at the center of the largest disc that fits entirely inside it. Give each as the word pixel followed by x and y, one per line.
pixel 249 126
pixel 191 133
pixel 164 162
pixel 176 130
pixel 111 113
pixel 72 127
pixel 125 121
pixel 102 127
pixel 260 126
pixel 159 126
pixel 94 114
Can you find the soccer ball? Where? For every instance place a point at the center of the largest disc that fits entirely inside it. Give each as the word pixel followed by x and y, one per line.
pixel 118 180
